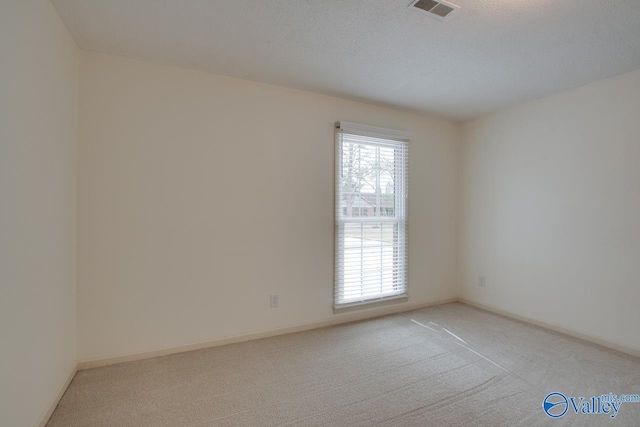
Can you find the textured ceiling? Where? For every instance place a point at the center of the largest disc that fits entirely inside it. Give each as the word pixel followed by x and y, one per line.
pixel 490 55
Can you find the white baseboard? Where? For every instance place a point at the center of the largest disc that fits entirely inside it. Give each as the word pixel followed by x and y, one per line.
pixel 44 418
pixel 335 320
pixel 630 350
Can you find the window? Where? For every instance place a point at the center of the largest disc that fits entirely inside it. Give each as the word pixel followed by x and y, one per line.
pixel 371 214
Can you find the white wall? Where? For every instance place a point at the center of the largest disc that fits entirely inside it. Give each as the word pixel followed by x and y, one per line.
pixel 201 195
pixel 550 210
pixel 38 145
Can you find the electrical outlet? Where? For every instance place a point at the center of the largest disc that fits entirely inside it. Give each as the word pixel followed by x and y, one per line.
pixel 273 303
pixel 482 281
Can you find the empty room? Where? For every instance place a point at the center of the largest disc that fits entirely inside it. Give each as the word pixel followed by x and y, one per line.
pixel 319 213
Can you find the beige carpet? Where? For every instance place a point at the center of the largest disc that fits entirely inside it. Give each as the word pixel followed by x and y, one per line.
pixel 450 365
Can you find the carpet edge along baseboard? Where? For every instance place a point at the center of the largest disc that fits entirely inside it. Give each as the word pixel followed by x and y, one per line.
pixel 336 320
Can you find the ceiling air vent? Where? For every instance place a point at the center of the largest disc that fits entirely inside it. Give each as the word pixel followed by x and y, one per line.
pixel 436 9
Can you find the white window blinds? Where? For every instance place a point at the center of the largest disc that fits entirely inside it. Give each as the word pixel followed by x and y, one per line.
pixel 371 214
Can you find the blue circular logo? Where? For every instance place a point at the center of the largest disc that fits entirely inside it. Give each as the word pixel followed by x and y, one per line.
pixel 555 405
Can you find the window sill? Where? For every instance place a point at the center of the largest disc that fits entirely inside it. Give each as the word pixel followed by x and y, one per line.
pixel 374 303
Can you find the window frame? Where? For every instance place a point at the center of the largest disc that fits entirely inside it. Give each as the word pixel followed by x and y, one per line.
pixel 399 141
